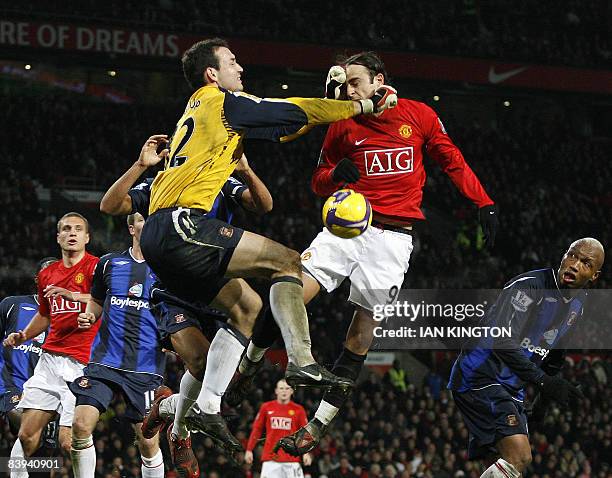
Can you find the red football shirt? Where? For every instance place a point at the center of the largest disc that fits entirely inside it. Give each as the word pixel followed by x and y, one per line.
pixel 388 151
pixel 279 421
pixel 64 335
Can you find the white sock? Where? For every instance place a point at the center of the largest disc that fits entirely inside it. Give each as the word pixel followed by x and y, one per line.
pixel 326 412
pixel 83 455
pixel 17 454
pixel 223 359
pixel 153 467
pixel 188 393
pixel 287 305
pixel 254 353
pixel 167 407
pixel 501 469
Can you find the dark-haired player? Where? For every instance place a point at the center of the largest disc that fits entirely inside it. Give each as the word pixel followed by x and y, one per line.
pixel 183 323
pixel 199 257
pixel 63 291
pixel 17 363
pixel 489 377
pixel 126 355
pixel 380 156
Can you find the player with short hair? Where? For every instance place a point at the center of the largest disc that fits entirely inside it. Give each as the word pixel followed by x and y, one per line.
pixel 278 418
pixel 488 378
pixel 126 355
pixel 198 257
pixel 382 157
pixel 17 363
pixel 63 291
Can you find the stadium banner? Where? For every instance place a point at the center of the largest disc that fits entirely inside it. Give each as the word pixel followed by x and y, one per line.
pixel 169 45
pixel 437 319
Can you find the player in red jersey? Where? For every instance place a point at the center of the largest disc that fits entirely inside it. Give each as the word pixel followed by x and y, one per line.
pixel 382 158
pixel 278 418
pixel 63 291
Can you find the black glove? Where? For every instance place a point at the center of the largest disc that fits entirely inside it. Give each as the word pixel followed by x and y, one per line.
pixel 487 216
pixel 346 172
pixel 557 389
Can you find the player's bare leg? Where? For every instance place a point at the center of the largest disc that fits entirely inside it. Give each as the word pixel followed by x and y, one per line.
pixel 358 341
pixel 265 333
pixel 257 256
pixel 32 424
pixel 515 454
pixel 150 454
pixel 83 452
pixel 243 305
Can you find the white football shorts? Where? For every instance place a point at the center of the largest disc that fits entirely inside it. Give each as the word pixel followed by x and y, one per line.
pixel 275 469
pixel 47 388
pixel 375 262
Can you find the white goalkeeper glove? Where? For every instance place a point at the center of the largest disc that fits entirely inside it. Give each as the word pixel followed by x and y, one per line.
pixel 385 97
pixel 335 88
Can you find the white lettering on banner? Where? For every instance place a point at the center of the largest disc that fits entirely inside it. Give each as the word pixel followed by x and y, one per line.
pixel 12 33
pixel 127 302
pixel 389 161
pixel 526 344
pixel 280 423
pixel 84 38
pixel 46 36
pixel 59 305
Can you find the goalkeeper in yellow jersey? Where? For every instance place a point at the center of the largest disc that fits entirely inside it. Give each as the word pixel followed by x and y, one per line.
pixel 197 256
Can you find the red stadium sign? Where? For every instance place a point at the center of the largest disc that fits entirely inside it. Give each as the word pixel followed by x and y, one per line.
pixel 121 41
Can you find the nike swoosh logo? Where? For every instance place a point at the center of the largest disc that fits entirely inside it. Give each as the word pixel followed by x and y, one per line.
pixel 314 377
pixel 357 143
pixel 496 78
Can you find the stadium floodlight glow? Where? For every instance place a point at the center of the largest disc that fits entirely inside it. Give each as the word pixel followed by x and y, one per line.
pixel 436 98
pixel 285 86
pixel 112 73
pixel 506 103
pixel 28 67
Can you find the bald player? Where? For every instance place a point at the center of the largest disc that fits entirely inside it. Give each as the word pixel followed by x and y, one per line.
pixel 488 378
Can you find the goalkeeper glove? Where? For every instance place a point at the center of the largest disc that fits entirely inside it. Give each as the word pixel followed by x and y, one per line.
pixel 335 84
pixel 487 215
pixel 555 388
pixel 385 97
pixel 345 171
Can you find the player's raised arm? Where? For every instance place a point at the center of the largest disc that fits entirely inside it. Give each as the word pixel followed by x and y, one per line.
pixel 37 325
pixel 116 200
pixel 281 119
pixel 255 197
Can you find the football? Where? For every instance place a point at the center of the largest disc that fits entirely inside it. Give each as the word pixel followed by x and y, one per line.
pixel 347 213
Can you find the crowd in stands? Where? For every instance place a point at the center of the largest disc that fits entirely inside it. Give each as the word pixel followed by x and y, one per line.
pixel 551 184
pixel 571 32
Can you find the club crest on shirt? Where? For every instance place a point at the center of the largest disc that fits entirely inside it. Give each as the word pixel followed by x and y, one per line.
pixel 135 290
pixel 291 412
pixel 306 256
pixel 405 131
pixel 84 383
pixel 15 398
pixel 79 278
pixel 178 318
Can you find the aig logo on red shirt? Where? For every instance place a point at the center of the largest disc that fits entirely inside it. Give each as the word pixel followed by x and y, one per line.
pixel 60 305
pixel 280 423
pixel 389 161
